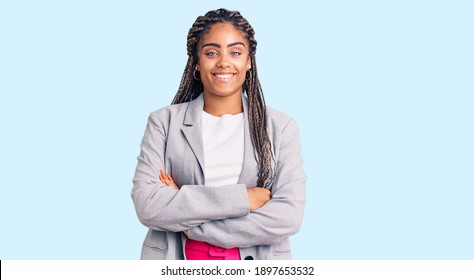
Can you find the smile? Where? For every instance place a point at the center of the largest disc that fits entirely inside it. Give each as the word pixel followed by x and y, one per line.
pixel 223 76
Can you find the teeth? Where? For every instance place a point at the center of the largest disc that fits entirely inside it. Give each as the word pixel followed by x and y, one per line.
pixel 223 76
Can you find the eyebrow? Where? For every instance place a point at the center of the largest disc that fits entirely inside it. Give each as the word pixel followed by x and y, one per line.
pixel 218 46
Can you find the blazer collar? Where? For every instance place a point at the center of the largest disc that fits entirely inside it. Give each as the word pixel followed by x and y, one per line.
pixel 194 111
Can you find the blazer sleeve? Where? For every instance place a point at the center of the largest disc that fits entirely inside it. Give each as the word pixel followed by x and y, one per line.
pixel 279 218
pixel 162 207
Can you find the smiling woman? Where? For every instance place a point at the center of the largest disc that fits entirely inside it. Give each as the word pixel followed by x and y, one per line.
pixel 220 174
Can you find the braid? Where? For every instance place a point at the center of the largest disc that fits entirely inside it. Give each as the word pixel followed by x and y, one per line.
pixel 258 128
pixel 190 88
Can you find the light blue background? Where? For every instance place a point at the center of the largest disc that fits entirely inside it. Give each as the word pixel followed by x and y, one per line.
pixel 382 91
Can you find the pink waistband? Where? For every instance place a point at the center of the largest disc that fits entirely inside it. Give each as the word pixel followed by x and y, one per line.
pixel 197 250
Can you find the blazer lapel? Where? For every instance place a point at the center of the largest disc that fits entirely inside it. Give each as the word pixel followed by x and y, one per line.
pixel 192 130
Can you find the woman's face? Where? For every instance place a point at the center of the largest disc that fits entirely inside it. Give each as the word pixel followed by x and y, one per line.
pixel 223 60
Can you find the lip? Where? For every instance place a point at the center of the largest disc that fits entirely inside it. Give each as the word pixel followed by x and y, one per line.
pixel 223 76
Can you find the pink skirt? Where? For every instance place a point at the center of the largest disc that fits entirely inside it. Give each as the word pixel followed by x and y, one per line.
pixel 197 250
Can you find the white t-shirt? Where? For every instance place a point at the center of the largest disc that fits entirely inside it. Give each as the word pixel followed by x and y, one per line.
pixel 223 139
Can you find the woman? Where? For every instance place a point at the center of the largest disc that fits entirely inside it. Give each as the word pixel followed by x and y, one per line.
pixel 219 175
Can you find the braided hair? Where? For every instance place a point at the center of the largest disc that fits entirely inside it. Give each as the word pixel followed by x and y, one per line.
pixel 190 88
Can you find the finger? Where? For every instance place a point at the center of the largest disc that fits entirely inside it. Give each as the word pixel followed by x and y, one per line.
pixel 162 178
pixel 164 181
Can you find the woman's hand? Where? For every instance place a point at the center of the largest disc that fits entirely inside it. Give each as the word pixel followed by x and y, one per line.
pixel 167 180
pixel 257 197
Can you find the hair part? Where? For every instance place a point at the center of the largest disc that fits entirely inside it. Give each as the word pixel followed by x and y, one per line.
pixel 190 88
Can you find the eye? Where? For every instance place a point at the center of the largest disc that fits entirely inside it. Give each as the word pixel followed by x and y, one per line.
pixel 235 53
pixel 210 53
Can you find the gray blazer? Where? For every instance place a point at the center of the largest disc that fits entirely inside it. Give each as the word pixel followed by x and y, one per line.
pixel 217 215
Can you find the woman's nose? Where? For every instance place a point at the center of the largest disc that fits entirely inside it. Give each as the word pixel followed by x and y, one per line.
pixel 223 61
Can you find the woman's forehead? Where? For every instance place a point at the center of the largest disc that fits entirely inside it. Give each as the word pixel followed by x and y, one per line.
pixel 223 33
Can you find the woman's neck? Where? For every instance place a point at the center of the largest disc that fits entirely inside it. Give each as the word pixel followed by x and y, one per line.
pixel 221 105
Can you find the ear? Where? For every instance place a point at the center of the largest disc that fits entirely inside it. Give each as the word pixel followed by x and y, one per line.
pixel 249 63
pixel 197 67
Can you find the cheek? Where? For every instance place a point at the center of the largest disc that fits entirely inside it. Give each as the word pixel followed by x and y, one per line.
pixel 200 65
pixel 241 66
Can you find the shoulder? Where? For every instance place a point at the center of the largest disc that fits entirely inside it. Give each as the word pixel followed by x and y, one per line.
pixel 170 112
pixel 166 117
pixel 172 109
pixel 279 120
pixel 282 128
pixel 182 113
